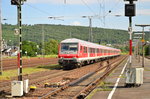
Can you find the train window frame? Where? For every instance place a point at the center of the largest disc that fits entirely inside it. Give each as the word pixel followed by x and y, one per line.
pixel 68 51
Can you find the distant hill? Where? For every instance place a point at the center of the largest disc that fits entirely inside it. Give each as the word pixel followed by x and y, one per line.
pixel 60 32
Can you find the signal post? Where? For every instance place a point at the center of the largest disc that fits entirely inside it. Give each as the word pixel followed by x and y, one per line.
pixel 19 3
pixel 22 87
pixel 131 72
pixel 130 12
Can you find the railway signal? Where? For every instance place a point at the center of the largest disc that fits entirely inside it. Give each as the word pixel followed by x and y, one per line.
pixel 129 9
pixel 130 12
pixel 15 2
pixel 18 3
pixel 1 67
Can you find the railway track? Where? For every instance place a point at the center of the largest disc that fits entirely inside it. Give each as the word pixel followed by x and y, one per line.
pixel 54 76
pixel 81 87
pixel 9 64
pixel 73 74
pixel 35 79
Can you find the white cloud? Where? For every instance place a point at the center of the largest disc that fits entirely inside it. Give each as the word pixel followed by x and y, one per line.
pixel 76 23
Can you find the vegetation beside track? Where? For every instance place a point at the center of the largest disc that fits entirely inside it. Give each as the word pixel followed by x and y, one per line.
pixel 7 75
pixel 103 86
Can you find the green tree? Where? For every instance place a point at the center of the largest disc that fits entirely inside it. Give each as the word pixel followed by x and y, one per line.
pixel 51 47
pixel 29 48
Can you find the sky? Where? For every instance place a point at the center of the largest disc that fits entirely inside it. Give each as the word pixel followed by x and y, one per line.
pixel 70 12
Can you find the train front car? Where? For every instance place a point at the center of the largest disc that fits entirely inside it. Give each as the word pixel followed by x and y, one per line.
pixel 68 53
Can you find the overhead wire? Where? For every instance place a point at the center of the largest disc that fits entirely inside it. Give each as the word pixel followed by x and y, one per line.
pixel 100 7
pixel 88 7
pixel 113 7
pixel 42 11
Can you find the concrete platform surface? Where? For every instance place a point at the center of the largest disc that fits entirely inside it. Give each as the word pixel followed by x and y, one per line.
pixel 108 91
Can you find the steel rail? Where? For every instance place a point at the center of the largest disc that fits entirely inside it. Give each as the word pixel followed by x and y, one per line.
pixel 74 82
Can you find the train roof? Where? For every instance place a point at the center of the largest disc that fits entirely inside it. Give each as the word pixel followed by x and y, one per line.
pixel 86 43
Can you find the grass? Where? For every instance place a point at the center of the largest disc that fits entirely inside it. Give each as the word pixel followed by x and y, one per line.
pixel 7 75
pixel 51 67
pixel 122 76
pixel 48 56
pixel 146 69
pixel 124 53
pixel 102 87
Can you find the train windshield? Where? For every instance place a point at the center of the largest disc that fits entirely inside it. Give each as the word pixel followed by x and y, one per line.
pixel 69 48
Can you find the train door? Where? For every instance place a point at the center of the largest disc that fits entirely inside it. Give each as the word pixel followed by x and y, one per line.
pixel 85 51
pixel 81 51
pixel 88 51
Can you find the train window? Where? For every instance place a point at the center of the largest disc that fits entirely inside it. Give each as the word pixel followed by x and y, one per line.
pixel 80 48
pixel 69 48
pixel 90 50
pixel 64 47
pixel 97 50
pixel 93 50
pixel 101 51
pixel 85 49
pixel 105 51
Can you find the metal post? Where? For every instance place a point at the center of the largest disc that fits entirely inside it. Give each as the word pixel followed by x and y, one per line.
pixel 20 40
pixel 90 39
pixel 130 42
pixel 143 47
pixel 43 41
pixel 130 38
pixel 138 51
pixel 1 67
pixel 90 31
pixel 143 41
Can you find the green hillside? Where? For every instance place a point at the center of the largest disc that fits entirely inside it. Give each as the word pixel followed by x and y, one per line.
pixel 60 32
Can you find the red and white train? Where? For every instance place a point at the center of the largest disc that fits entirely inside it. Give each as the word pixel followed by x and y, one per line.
pixel 75 53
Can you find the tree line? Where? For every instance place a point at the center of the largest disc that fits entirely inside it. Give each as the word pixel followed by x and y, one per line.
pixel 32 49
pixel 53 34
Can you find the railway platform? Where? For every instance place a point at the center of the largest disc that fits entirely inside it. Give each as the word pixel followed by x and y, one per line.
pixel 114 86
